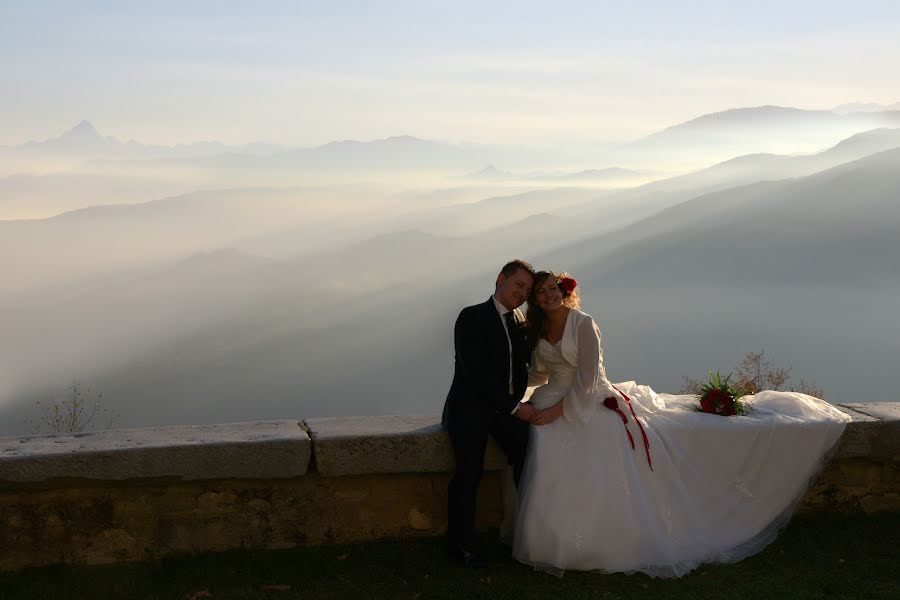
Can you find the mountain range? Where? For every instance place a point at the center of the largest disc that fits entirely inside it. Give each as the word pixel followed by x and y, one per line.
pixel 712 138
pixel 85 141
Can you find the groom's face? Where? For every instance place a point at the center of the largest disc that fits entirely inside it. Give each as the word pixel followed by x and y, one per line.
pixel 512 291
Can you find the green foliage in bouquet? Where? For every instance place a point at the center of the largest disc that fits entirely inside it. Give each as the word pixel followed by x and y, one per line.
pixel 719 397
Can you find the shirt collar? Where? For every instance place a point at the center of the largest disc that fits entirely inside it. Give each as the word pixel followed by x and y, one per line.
pixel 500 308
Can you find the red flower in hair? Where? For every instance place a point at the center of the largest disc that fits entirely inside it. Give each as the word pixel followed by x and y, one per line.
pixel 567 284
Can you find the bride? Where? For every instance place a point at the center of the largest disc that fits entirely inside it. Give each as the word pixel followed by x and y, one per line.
pixel 619 480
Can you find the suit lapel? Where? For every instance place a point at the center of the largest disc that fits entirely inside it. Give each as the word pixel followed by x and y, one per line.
pixel 498 335
pixel 491 314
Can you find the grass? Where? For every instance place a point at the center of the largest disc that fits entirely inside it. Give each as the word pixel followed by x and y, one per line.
pixel 831 557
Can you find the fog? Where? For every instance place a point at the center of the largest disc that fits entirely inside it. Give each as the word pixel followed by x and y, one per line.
pixel 206 283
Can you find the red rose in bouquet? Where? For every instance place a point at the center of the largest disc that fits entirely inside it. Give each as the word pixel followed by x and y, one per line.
pixel 727 408
pixel 719 397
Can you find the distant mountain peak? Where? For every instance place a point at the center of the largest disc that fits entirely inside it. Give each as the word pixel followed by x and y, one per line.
pixel 84 126
pixel 83 131
pixel 407 139
pixel 489 172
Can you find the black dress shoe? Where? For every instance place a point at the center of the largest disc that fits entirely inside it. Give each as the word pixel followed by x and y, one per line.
pixel 469 559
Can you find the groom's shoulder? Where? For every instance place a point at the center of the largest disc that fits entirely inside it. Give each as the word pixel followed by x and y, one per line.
pixel 480 307
pixel 477 310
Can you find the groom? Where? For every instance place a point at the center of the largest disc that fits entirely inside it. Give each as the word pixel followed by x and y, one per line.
pixel 489 380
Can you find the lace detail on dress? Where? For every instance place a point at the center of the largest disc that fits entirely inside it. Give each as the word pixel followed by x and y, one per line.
pixel 561 374
pixel 579 540
pixel 740 486
pixel 666 513
pixel 569 440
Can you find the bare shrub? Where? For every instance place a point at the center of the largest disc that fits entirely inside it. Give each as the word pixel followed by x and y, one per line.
pixel 756 373
pixel 74 411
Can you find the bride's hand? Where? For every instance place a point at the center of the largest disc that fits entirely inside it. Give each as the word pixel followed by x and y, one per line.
pixel 548 415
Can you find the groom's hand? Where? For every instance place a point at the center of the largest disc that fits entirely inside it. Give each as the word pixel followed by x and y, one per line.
pixel 525 412
pixel 548 415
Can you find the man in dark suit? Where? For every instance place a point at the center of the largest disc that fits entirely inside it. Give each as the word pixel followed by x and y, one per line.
pixel 489 381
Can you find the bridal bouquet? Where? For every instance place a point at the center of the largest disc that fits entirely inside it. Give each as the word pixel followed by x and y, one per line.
pixel 719 397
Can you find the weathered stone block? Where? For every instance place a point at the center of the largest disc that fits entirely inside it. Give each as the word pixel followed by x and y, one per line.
pixel 880 437
pixel 881 503
pixel 263 449
pixel 856 440
pixel 393 444
pixel 107 523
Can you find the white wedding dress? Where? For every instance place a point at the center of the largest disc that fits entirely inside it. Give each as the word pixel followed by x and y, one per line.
pixel 719 490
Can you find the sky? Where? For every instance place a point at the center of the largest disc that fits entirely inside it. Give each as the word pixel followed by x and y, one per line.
pixel 305 73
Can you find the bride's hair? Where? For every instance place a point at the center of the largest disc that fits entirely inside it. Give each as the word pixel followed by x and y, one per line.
pixel 535 317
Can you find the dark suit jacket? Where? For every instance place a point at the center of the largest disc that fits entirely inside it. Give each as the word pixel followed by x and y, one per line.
pixel 481 376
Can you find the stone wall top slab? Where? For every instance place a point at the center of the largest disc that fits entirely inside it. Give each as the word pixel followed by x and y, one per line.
pixel 262 449
pixel 389 444
pixel 340 445
pixel 883 411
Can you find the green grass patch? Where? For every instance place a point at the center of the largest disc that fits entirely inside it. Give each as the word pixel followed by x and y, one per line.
pixel 832 557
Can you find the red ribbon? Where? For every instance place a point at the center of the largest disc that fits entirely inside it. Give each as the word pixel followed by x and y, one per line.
pixel 625 423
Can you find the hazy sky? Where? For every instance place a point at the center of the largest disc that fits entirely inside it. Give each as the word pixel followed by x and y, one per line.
pixel 305 73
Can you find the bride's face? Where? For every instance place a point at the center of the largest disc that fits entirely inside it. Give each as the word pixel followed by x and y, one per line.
pixel 549 296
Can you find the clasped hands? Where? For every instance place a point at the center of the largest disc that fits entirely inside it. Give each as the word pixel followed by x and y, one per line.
pixel 526 412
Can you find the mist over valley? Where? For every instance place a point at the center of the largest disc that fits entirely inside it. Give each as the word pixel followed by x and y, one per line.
pixel 210 283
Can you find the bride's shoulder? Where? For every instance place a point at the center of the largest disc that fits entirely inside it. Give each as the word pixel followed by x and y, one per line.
pixel 582 322
pixel 579 316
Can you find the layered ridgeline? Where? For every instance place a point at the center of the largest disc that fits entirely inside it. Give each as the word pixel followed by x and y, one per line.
pixel 759 129
pixel 83 167
pixel 290 221
pixel 313 301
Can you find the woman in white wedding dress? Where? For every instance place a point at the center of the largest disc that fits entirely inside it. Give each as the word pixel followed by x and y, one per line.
pixel 654 487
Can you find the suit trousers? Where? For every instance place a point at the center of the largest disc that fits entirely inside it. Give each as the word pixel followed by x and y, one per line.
pixel 469 437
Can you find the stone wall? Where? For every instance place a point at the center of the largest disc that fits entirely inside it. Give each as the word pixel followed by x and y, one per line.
pixel 142 494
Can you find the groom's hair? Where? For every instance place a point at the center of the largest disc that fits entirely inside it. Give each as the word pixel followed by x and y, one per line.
pixel 510 268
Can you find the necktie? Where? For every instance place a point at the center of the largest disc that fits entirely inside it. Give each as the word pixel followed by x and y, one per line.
pixel 516 331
